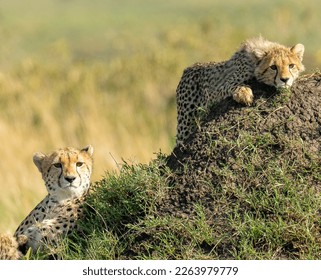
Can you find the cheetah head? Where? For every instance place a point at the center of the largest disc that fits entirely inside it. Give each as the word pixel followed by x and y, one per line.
pixel 279 66
pixel 66 172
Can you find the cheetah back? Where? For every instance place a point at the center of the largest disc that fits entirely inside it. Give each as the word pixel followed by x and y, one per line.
pixel 204 84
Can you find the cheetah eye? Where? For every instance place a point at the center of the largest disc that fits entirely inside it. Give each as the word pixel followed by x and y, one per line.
pixel 291 66
pixel 78 164
pixel 57 165
pixel 273 67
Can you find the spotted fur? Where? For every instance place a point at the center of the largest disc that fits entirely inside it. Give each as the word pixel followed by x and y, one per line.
pixel 66 173
pixel 9 247
pixel 206 83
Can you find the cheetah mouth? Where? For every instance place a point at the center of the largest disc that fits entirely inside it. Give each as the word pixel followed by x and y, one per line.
pixel 283 86
pixel 69 186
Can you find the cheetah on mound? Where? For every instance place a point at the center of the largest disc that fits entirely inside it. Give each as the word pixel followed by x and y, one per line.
pixel 204 84
pixel 66 173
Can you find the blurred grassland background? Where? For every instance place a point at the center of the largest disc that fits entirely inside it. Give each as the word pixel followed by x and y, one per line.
pixel 104 72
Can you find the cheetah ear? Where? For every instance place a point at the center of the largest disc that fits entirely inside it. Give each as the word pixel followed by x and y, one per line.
pixel 89 150
pixel 298 49
pixel 259 53
pixel 38 159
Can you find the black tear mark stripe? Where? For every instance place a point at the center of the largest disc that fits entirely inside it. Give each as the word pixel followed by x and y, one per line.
pixel 291 73
pixel 80 183
pixel 80 179
pixel 276 74
pixel 61 171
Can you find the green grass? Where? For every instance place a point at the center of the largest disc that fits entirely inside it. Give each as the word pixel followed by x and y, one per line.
pixel 274 221
pixel 275 217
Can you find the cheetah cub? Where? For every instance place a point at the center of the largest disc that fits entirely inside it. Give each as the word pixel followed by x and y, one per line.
pixel 206 83
pixel 66 173
pixel 9 247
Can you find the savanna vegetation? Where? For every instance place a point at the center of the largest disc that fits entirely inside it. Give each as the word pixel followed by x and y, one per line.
pixel 245 186
pixel 105 72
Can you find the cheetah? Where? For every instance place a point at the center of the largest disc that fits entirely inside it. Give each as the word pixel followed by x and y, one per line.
pixel 9 247
pixel 66 173
pixel 204 84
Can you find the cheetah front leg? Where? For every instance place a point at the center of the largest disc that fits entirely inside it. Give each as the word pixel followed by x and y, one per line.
pixel 41 234
pixel 243 94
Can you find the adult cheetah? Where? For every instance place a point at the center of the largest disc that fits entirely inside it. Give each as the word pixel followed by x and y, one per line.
pixel 203 84
pixel 66 173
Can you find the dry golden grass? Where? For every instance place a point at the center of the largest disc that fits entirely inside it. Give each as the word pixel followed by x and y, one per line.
pixel 62 103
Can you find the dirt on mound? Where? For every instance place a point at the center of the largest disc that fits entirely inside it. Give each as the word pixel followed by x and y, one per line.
pixel 286 125
pixel 246 160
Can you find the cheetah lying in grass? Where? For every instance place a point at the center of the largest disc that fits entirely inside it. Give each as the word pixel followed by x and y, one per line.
pixel 206 83
pixel 66 173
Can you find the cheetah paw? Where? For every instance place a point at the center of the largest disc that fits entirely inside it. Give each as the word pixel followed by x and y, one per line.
pixel 243 95
pixel 22 239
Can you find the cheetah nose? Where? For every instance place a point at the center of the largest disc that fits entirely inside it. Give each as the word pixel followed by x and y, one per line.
pixel 284 80
pixel 70 179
